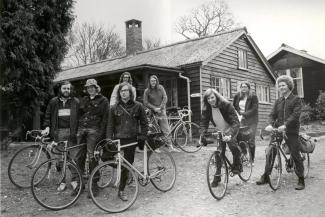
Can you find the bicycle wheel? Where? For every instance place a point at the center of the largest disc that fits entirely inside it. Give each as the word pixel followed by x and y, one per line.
pixel 245 158
pixel 162 170
pixel 45 191
pixel 23 164
pixel 187 137
pixel 107 198
pixel 217 180
pixel 276 169
pixel 306 162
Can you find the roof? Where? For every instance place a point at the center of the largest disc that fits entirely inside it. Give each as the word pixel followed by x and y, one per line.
pixel 289 49
pixel 169 57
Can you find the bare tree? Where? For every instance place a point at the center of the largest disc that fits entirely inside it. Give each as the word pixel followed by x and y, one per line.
pixel 209 18
pixel 149 44
pixel 92 42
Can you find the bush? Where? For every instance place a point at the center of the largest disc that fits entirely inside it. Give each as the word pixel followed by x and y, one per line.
pixel 320 106
pixel 307 114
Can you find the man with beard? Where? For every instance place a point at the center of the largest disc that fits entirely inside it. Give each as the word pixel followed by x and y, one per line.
pixel 61 118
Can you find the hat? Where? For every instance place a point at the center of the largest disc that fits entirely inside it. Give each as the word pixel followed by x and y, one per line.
pixel 91 82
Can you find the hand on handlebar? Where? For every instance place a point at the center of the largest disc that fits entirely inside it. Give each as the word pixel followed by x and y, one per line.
pixel 46 131
pixel 269 128
pixel 282 128
pixel 226 138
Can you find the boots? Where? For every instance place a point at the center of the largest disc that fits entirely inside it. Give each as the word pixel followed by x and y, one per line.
pixel 301 184
pixel 215 181
pixel 263 180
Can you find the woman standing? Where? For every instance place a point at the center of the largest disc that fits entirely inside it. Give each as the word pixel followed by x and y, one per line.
pixel 246 104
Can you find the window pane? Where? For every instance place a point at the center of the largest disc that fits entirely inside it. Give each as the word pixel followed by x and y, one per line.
pixel 281 72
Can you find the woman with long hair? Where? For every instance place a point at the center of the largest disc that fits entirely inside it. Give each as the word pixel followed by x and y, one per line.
pixel 217 110
pixel 246 104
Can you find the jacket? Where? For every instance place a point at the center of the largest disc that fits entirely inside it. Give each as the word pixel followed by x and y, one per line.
pixel 94 113
pixel 251 109
pixel 229 114
pixel 287 112
pixel 51 117
pixel 124 120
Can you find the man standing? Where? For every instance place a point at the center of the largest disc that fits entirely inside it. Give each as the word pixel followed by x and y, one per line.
pixel 125 77
pixel 124 119
pixel 61 118
pixel 93 114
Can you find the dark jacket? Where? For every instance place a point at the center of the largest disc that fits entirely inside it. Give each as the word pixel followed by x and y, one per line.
pixel 94 113
pixel 124 120
pixel 51 117
pixel 251 110
pixel 229 114
pixel 287 112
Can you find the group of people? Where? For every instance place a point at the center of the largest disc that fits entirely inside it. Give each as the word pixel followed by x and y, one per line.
pixel 284 116
pixel 93 118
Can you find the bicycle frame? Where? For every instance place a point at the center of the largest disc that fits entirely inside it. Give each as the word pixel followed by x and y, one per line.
pixel 42 144
pixel 120 159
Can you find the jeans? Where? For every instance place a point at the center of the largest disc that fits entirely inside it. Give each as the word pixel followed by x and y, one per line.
pixel 163 123
pixel 293 145
pixel 90 136
pixel 129 156
pixel 235 153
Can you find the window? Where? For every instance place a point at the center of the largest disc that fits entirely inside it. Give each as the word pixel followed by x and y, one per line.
pixel 222 85
pixel 171 91
pixel 242 59
pixel 263 93
pixel 296 74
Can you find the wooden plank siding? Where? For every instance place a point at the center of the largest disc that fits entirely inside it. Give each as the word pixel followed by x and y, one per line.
pixel 225 65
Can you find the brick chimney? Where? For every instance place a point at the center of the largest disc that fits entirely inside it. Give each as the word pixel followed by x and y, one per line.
pixel 133 36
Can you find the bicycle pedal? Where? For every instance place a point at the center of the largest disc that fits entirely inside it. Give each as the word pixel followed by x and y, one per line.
pixel 231 174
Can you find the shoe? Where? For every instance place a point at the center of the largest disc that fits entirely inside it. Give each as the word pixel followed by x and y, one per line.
pixel 237 169
pixel 263 180
pixel 301 184
pixel 75 188
pixel 62 187
pixel 137 149
pixel 172 149
pixel 122 196
pixel 158 150
pixel 215 181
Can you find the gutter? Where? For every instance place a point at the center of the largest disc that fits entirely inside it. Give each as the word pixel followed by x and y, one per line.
pixel 188 93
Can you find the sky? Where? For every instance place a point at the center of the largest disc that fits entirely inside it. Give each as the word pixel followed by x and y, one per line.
pixel 297 23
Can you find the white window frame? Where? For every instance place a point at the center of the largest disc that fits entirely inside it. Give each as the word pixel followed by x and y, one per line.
pixel 263 93
pixel 172 95
pixel 222 85
pixel 298 80
pixel 242 59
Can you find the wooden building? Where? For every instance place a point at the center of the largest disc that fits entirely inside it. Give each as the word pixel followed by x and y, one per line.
pixel 186 69
pixel 307 71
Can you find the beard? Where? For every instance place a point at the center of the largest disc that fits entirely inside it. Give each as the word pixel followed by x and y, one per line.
pixel 65 94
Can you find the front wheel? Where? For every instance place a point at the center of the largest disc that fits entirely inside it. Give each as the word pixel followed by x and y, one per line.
pixel 162 170
pixel 23 164
pixel 46 190
pixel 245 158
pixel 217 176
pixel 187 137
pixel 107 197
pixel 276 169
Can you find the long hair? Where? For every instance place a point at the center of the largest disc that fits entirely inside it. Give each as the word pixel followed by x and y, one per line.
pixel 126 73
pixel 157 84
pixel 249 93
pixel 219 97
pixel 120 88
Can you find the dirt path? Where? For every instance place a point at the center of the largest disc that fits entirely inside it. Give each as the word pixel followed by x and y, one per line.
pixel 190 197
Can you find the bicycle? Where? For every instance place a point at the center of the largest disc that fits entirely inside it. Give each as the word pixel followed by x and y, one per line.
pixel 158 168
pixel 218 159
pixel 49 175
pixel 184 134
pixel 275 175
pixel 26 159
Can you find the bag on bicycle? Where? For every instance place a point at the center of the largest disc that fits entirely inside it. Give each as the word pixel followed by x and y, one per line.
pixel 156 140
pixel 306 143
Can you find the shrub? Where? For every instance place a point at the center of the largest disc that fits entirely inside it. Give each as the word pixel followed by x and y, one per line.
pixel 307 114
pixel 320 106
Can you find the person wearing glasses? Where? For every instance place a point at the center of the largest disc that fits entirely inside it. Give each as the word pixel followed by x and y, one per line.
pixel 125 77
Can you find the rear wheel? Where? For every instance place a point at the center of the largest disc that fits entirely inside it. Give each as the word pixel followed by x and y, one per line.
pixel 187 137
pixel 45 190
pixel 276 169
pixel 245 158
pixel 107 198
pixel 23 164
pixel 217 176
pixel 162 170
